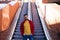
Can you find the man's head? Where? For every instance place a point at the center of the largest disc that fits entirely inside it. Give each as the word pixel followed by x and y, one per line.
pixel 25 16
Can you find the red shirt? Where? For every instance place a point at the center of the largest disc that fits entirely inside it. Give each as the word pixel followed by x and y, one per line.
pixel 31 27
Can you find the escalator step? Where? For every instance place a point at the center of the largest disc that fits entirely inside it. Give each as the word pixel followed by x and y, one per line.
pixel 17 33
pixel 38 34
pixel 17 29
pixel 17 39
pixel 40 30
pixel 17 36
pixel 18 24
pixel 39 37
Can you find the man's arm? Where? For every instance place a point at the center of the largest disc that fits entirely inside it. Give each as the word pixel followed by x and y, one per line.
pixel 22 28
pixel 32 27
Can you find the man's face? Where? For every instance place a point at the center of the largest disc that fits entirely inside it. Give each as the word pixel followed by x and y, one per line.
pixel 26 17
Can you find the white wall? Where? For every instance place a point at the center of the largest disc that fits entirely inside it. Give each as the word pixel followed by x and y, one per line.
pixel 12 3
pixel 25 0
pixel 2 5
pixel 52 14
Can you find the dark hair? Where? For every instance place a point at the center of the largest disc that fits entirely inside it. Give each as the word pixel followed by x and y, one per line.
pixel 25 14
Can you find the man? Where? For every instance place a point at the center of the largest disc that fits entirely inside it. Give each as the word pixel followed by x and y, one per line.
pixel 27 28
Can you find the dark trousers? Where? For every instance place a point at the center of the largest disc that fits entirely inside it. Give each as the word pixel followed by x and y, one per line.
pixel 25 37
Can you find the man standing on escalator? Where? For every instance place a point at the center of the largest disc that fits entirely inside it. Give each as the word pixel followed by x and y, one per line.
pixel 27 28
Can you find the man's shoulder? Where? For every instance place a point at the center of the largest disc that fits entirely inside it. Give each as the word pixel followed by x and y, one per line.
pixel 23 21
pixel 30 20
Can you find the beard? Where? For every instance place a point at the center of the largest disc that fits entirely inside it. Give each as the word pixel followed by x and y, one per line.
pixel 26 18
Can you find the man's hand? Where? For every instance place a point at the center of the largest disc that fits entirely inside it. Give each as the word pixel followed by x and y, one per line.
pixel 31 33
pixel 24 34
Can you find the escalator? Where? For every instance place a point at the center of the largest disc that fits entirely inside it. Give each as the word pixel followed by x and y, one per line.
pixel 17 34
pixel 38 29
